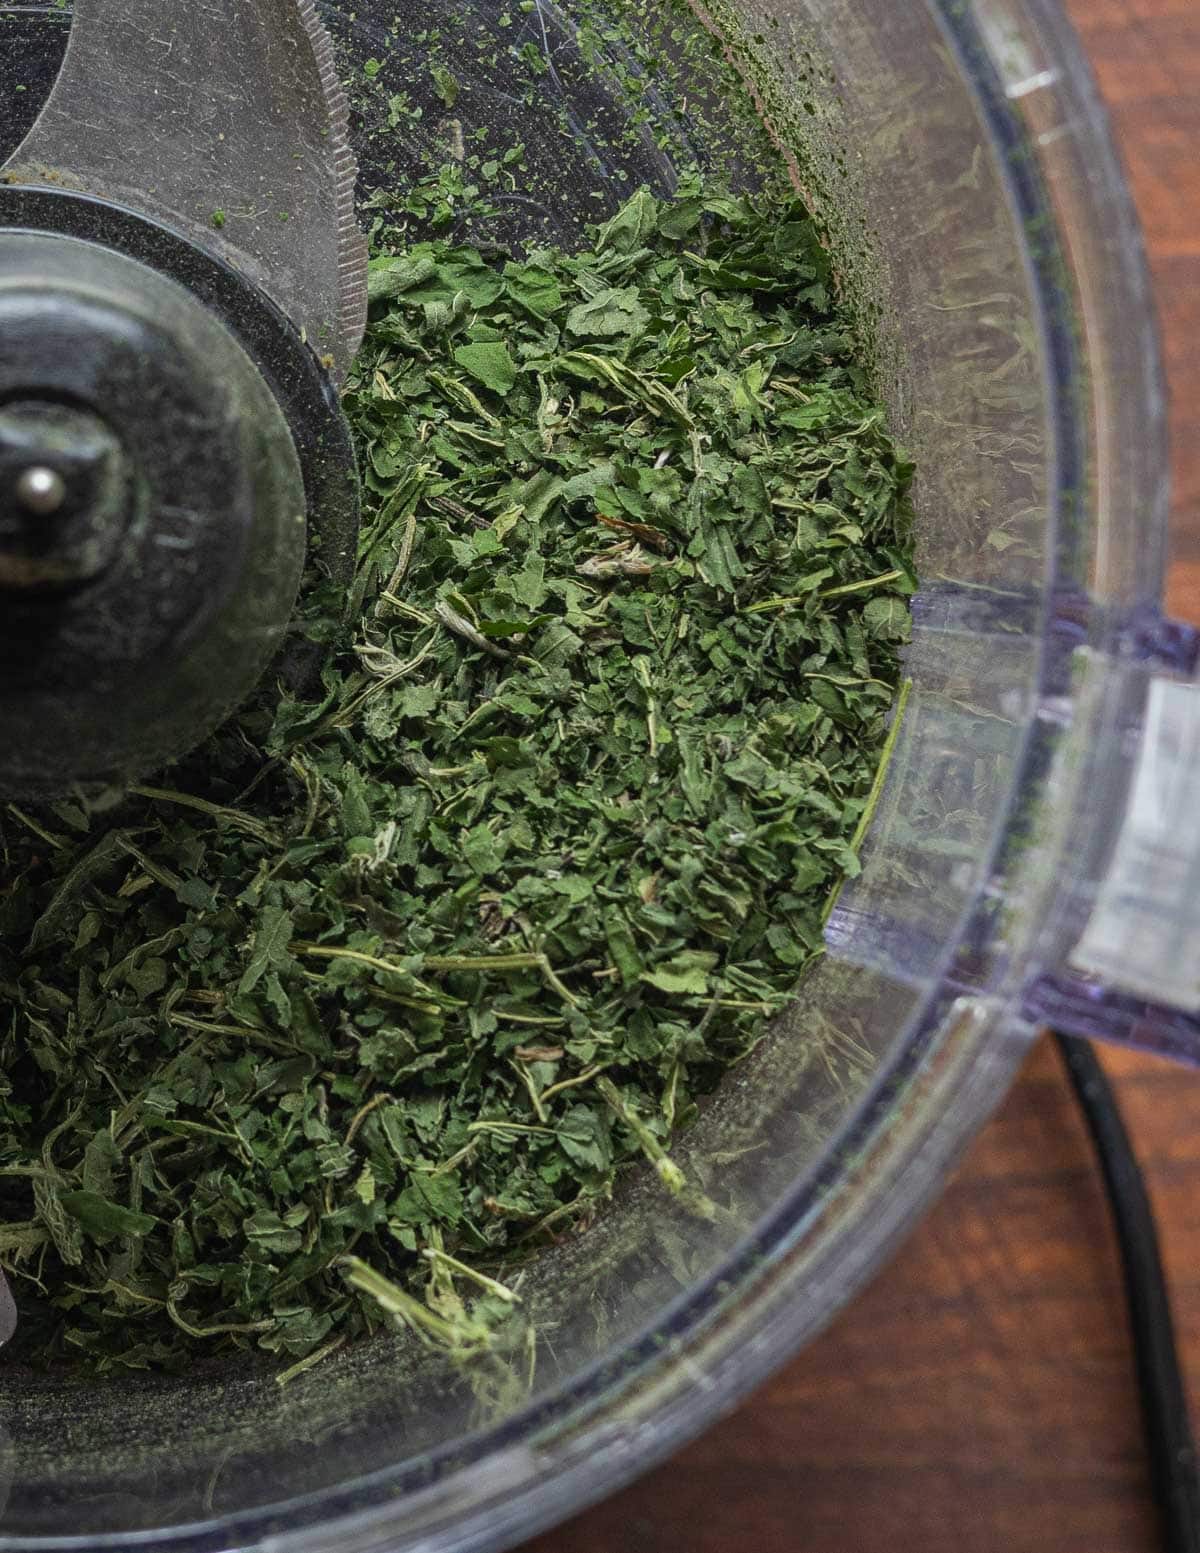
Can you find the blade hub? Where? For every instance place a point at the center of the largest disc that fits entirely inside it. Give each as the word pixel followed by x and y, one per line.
pixel 63 496
pixel 150 581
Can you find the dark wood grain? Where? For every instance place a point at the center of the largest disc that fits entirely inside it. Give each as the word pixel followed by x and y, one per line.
pixel 978 1398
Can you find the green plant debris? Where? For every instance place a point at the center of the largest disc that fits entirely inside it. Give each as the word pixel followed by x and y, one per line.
pixel 337 1022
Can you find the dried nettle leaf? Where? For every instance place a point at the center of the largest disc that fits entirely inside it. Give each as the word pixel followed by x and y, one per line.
pixel 387 982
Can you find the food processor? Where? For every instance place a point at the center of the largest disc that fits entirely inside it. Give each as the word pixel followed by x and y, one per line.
pixel 181 287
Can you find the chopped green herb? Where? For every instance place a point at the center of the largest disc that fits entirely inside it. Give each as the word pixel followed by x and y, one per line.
pixel 387 983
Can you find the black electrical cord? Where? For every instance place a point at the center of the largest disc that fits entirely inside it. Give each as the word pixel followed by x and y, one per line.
pixel 1169 1439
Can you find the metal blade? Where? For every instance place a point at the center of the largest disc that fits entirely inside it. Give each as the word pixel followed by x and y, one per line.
pixel 225 120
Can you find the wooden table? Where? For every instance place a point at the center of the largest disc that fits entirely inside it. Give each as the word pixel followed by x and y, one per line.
pixel 978 1398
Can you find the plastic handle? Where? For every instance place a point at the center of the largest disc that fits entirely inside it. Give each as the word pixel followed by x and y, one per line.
pixel 1133 973
pixel 1036 847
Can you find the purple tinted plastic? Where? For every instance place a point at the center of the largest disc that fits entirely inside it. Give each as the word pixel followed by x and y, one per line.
pixel 1083 1007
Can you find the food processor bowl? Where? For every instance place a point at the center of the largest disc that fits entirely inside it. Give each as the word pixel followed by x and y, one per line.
pixel 957 157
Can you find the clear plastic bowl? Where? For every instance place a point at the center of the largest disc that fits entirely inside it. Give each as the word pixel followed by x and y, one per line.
pixel 960 159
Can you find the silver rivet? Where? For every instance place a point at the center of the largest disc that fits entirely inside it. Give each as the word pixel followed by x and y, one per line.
pixel 41 490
